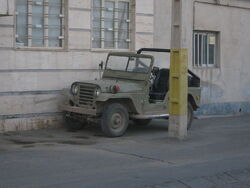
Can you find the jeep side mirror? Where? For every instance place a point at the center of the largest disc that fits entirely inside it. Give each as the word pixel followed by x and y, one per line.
pixel 101 65
pixel 155 70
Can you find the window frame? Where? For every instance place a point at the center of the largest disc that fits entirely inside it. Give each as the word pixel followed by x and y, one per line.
pixel 46 46
pixel 116 28
pixel 200 63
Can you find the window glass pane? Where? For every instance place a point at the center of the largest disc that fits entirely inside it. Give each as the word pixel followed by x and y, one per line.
pixel 123 25
pixel 38 20
pixel 200 49
pixel 96 42
pixel 117 63
pixel 109 24
pixel 37 23
pixel 96 33
pixel 109 39
pixel 129 64
pixel 205 49
pixel 97 4
pixel 196 49
pixel 22 23
pixel 212 42
pixel 97 13
pixel 55 23
pixel 139 65
pixel 211 54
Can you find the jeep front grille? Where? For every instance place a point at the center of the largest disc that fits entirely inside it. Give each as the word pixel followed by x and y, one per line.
pixel 86 95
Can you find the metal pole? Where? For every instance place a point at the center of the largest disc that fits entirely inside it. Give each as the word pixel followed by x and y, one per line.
pixel 178 75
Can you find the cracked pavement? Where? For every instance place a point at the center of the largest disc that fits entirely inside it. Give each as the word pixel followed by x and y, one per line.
pixel 216 154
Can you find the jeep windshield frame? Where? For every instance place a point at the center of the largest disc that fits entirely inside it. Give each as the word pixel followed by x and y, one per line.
pixel 132 66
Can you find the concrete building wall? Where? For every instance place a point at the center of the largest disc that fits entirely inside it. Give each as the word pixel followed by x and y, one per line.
pixel 225 88
pixel 31 79
pixel 6 7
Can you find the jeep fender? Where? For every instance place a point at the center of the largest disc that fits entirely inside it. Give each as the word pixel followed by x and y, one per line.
pixel 126 102
pixel 192 102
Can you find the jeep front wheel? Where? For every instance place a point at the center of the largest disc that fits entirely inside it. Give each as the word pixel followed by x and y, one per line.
pixel 114 121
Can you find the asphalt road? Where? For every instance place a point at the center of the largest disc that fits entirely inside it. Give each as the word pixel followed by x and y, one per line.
pixel 216 154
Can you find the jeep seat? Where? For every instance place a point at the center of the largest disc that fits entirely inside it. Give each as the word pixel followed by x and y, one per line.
pixel 160 86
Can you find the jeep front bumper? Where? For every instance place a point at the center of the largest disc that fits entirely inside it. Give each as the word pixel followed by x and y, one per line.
pixel 78 110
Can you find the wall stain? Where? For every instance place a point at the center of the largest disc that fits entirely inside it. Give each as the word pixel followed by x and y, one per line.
pixel 37 101
pixel 210 92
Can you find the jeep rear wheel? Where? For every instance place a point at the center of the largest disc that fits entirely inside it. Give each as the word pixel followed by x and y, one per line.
pixel 142 122
pixel 190 116
pixel 114 121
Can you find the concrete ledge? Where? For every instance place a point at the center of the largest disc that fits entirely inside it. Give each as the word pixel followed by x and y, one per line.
pixel 30 123
pixel 234 108
pixel 220 116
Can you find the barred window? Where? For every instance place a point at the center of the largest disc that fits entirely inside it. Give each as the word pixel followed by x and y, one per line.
pixel 40 23
pixel 111 24
pixel 205 49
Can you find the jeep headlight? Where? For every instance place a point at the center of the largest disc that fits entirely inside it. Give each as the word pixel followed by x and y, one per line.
pixel 74 88
pixel 97 92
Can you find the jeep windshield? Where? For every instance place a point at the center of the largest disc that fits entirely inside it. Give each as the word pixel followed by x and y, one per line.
pixel 129 63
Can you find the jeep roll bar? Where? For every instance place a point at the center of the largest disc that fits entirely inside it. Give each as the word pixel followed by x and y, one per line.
pixel 163 50
pixel 153 50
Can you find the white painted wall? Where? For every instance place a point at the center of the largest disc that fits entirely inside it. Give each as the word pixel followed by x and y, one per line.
pixel 231 80
pixel 3 7
pixel 31 79
pixel 6 7
pixel 227 87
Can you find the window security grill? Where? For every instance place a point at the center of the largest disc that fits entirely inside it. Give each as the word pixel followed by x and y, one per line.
pixel 111 24
pixel 204 49
pixel 40 23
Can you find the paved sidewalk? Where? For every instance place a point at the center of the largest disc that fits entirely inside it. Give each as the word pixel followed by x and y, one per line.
pixel 216 154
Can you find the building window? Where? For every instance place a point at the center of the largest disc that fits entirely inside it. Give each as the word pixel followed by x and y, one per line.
pixel 111 24
pixel 205 47
pixel 40 23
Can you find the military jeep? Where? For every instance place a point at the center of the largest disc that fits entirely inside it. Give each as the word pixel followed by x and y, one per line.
pixel 130 89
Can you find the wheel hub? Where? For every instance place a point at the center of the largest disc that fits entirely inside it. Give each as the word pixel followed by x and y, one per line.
pixel 116 121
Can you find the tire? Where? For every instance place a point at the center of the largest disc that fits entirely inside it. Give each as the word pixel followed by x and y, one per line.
pixel 73 124
pixel 190 116
pixel 142 122
pixel 114 121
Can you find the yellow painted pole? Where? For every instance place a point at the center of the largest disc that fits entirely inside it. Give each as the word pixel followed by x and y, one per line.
pixel 178 93
pixel 178 82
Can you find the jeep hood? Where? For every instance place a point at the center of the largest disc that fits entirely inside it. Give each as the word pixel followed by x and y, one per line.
pixel 125 86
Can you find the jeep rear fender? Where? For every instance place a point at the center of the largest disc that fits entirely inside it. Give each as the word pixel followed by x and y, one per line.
pixel 192 102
